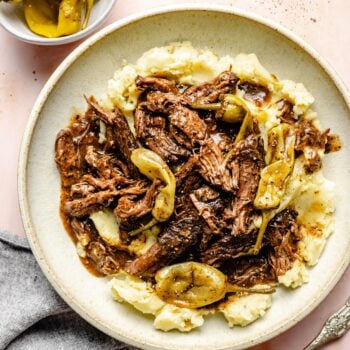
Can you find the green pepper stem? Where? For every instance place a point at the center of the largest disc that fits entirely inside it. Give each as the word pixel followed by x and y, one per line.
pixel 143 228
pixel 266 217
pixel 207 106
pixel 232 288
pixel 247 123
pixel 265 220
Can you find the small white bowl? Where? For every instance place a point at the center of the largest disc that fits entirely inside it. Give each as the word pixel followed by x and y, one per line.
pixel 12 20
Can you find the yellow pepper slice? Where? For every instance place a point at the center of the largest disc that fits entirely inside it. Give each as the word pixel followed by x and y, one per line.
pixel 231 109
pixel 272 185
pixel 234 109
pixel 153 166
pixel 42 17
pixel 69 17
pixel 55 18
pixel 281 140
pixel 273 179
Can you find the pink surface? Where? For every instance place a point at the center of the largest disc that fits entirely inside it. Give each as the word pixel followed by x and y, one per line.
pixel 24 69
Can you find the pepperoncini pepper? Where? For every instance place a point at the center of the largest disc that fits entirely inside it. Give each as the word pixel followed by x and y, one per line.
pixel 281 140
pixel 280 156
pixel 274 177
pixel 55 18
pixel 192 285
pixel 153 166
pixel 42 17
pixel 230 109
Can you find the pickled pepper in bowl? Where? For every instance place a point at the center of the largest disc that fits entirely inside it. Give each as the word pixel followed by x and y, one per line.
pixel 56 18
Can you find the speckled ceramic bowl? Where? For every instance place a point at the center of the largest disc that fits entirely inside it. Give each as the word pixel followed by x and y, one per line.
pixel 12 20
pixel 86 71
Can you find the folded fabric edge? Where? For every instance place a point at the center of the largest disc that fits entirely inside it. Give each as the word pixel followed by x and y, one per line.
pixel 14 240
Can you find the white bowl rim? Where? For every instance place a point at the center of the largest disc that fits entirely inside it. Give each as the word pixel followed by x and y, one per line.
pixel 39 40
pixel 55 77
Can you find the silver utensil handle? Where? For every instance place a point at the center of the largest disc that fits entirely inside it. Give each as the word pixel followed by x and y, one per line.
pixel 334 328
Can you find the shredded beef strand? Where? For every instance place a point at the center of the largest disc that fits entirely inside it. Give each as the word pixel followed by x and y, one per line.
pixel 164 145
pixel 248 271
pixel 179 234
pixel 282 237
pixel 209 92
pixel 210 206
pixel 189 123
pixel 214 167
pixel 150 129
pixel 286 113
pixel 180 137
pixel 228 248
pixel 102 198
pixel 312 142
pixel 131 208
pixel 106 165
pixel 91 203
pixel 144 120
pixel 67 158
pixel 249 155
pixel 164 102
pixel 156 83
pixel 89 184
pixel 125 139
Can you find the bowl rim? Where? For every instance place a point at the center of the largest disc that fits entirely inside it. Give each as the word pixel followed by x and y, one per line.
pixel 40 40
pixel 31 124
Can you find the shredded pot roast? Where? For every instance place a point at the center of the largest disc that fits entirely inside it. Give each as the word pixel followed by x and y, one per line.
pixel 196 168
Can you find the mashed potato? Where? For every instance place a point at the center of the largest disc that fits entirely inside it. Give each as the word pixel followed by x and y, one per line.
pixel 192 66
pixel 239 311
pixel 296 276
pixel 311 195
pixel 138 293
pixel 172 317
pixel 316 206
pixel 243 310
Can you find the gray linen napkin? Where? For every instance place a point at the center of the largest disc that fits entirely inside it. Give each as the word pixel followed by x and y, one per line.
pixel 32 315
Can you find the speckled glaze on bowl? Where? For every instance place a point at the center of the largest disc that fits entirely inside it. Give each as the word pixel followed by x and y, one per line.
pixel 13 21
pixel 86 71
